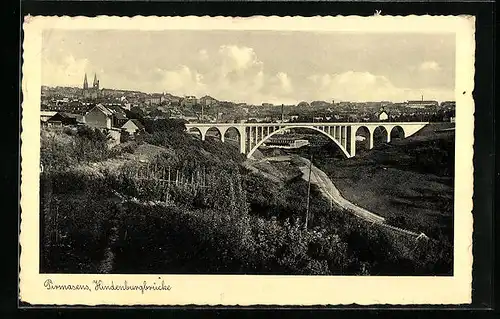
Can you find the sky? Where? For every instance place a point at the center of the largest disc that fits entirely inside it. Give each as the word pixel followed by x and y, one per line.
pixel 256 66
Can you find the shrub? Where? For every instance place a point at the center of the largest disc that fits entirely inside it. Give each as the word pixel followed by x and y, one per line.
pixel 74 233
pixel 124 136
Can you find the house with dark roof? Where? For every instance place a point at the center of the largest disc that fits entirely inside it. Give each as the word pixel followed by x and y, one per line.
pixel 45 116
pixel 63 119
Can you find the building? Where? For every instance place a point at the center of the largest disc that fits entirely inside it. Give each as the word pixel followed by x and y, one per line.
pixel 45 116
pixel 422 104
pixel 448 105
pixel 91 92
pixel 207 100
pixel 155 99
pixel 63 119
pixel 285 142
pixel 382 115
pixel 105 117
pixel 119 115
pixel 133 126
pixel 189 100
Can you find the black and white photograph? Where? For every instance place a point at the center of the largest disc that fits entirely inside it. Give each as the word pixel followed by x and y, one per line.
pixel 247 151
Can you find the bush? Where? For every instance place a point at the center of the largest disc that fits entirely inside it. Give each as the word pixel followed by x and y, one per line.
pixel 124 137
pixel 81 145
pixel 74 233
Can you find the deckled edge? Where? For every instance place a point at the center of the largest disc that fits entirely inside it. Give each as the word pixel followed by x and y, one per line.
pixel 29 19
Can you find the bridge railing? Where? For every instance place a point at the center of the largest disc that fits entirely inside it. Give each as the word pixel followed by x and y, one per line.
pixel 301 124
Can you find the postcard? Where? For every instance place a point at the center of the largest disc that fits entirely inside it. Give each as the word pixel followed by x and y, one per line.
pixel 284 161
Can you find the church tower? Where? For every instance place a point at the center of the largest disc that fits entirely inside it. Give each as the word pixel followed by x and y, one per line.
pixel 85 83
pixel 96 82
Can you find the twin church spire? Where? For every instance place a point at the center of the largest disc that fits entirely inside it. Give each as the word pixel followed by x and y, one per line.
pixel 91 92
pixel 95 85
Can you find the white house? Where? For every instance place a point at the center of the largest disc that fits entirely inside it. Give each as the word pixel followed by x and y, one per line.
pixel 382 115
pixel 99 117
pixel 105 117
pixel 133 126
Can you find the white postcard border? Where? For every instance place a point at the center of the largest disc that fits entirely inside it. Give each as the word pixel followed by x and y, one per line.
pixel 252 289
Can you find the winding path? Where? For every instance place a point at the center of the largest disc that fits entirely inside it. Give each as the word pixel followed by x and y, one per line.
pixel 319 178
pixel 328 189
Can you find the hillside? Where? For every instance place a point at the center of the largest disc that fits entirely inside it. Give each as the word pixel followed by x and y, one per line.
pixel 113 211
pixel 409 182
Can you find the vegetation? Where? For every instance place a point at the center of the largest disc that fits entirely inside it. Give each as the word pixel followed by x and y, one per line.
pixel 79 144
pixel 409 182
pixel 200 211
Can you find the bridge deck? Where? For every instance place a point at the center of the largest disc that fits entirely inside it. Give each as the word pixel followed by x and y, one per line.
pixel 303 124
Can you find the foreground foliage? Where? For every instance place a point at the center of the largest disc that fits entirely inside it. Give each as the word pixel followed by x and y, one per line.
pixel 220 219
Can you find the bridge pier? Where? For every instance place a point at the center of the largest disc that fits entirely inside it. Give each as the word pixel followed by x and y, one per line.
pixel 243 141
pixel 352 151
pixel 256 138
pixel 343 139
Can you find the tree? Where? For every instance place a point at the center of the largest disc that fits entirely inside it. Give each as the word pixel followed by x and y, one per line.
pixel 135 113
pixel 166 125
pixel 124 137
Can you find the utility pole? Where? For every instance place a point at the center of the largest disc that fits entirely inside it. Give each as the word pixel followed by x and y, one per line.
pixel 308 192
pixel 202 117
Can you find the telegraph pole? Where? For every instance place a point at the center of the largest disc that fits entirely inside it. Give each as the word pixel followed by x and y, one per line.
pixel 202 117
pixel 308 192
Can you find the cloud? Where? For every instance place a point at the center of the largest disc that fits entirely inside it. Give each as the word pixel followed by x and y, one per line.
pixel 67 72
pixel 236 58
pixel 284 82
pixel 230 73
pixel 203 55
pixel 183 81
pixel 365 86
pixel 429 66
pixel 235 73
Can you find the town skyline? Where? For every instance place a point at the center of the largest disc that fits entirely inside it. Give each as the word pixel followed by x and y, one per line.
pixel 256 104
pixel 256 67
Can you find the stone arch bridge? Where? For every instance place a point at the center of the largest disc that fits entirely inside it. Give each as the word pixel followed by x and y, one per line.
pixel 253 135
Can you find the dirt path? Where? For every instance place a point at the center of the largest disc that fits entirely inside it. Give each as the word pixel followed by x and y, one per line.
pixel 328 189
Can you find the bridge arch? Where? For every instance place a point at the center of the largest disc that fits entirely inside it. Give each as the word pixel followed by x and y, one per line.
pixel 380 135
pixel 196 132
pixel 367 138
pixel 397 132
pixel 217 130
pixel 250 153
pixel 232 134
